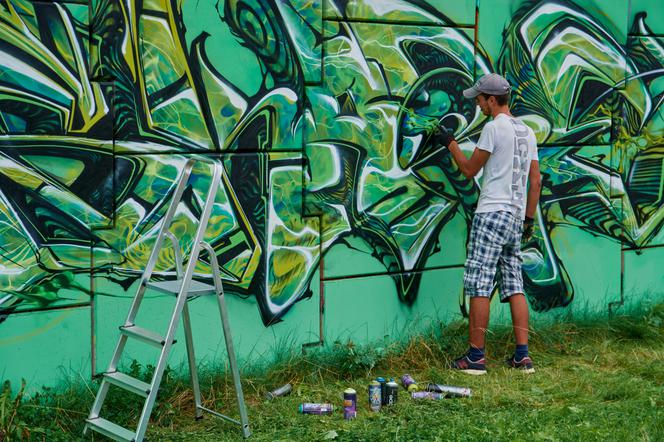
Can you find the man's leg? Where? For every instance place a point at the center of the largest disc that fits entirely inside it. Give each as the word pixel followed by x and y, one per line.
pixel 519 309
pixel 484 249
pixel 479 320
pixel 473 361
pixel 512 291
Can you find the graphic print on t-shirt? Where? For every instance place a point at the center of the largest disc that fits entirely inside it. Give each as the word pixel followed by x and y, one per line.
pixel 520 162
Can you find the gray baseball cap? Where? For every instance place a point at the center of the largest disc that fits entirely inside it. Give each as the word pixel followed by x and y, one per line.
pixel 491 84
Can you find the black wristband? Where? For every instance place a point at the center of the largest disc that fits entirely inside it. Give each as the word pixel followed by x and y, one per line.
pixel 529 220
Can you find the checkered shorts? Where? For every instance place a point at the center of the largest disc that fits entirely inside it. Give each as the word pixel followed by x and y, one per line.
pixel 495 243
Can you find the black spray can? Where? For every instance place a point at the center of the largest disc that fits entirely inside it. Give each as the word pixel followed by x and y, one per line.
pixel 383 392
pixel 391 390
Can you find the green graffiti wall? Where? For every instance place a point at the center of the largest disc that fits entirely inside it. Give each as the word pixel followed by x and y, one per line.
pixel 337 217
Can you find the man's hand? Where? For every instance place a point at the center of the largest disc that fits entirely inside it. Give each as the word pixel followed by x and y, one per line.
pixel 469 166
pixel 528 229
pixel 441 136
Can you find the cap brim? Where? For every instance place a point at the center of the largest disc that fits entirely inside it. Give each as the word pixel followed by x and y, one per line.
pixel 471 92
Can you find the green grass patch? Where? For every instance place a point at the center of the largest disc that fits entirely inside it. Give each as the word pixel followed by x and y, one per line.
pixel 595 380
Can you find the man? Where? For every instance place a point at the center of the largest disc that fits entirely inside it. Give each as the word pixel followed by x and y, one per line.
pixel 507 150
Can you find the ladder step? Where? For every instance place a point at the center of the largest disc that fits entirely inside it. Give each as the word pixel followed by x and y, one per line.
pixel 108 428
pixel 128 383
pixel 173 287
pixel 144 335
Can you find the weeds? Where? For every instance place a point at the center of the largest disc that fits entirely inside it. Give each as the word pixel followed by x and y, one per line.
pixel 598 380
pixel 12 426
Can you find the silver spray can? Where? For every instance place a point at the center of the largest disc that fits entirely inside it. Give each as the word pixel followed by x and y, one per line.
pixel 450 390
pixel 281 391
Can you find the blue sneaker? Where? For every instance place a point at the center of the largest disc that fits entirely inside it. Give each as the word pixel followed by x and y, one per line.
pixel 466 365
pixel 525 364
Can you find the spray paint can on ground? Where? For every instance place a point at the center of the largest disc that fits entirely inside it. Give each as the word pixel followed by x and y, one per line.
pixel 427 395
pixel 409 383
pixel 383 393
pixel 311 408
pixel 350 404
pixel 391 390
pixel 449 390
pixel 281 391
pixel 374 396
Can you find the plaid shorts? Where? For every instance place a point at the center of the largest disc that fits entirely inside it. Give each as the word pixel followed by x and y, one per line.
pixel 495 243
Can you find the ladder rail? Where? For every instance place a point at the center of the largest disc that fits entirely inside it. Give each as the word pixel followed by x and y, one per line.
pixel 181 300
pixel 182 288
pixel 216 273
pixel 119 348
pixel 166 222
pixel 191 358
pixel 178 253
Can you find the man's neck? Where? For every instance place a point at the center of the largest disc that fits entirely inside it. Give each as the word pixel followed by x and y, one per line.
pixel 501 110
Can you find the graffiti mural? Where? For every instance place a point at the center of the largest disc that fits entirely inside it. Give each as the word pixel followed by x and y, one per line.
pixel 321 113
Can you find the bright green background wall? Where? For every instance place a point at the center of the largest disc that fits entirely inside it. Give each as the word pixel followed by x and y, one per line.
pixel 336 212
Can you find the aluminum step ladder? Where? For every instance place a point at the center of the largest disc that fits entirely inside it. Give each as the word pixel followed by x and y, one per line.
pixel 183 288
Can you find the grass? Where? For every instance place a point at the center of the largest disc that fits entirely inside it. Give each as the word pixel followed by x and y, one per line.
pixel 595 380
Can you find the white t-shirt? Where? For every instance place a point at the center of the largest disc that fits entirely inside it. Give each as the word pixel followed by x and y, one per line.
pixel 513 146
